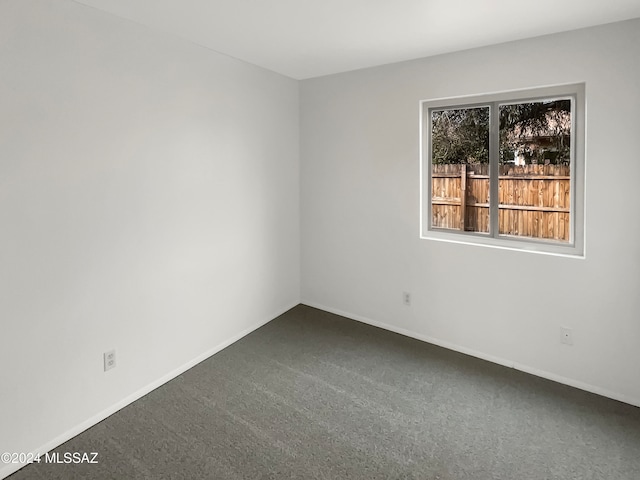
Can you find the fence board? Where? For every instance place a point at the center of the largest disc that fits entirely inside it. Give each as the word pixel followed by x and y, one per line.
pixel 533 200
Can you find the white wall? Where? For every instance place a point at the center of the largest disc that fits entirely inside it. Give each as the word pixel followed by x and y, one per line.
pixel 360 213
pixel 149 202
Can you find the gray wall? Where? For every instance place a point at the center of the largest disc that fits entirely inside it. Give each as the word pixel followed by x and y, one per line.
pixel 149 201
pixel 360 213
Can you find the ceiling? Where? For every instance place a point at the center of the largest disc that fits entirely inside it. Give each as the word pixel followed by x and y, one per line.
pixel 310 38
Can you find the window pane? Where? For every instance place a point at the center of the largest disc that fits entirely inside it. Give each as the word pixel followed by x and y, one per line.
pixel 460 169
pixel 535 169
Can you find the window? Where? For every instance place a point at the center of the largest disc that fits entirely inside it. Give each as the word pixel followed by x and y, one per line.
pixel 505 170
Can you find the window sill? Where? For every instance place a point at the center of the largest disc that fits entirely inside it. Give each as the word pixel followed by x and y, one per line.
pixel 527 245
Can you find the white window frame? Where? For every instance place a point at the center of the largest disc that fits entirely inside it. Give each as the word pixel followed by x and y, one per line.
pixel 576 245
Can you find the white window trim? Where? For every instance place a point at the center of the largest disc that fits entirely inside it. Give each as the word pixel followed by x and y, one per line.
pixel 575 248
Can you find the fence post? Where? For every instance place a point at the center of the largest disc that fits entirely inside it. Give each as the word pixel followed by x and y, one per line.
pixel 463 194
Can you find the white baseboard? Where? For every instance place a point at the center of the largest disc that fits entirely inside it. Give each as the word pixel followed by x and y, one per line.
pixel 474 353
pixel 8 469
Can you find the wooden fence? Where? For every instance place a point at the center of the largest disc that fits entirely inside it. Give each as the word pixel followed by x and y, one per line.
pixel 533 200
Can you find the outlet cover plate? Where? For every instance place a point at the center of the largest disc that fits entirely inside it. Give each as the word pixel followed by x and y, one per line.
pixel 566 336
pixel 109 360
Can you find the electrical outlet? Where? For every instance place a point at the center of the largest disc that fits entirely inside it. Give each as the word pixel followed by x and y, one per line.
pixel 109 360
pixel 566 336
pixel 406 298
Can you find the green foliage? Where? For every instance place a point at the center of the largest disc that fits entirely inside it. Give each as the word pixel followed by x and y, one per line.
pixel 460 135
pixel 539 131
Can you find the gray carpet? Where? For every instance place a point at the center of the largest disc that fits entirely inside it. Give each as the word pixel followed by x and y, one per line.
pixel 315 396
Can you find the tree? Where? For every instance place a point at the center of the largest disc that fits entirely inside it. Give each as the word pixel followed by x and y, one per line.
pixel 539 131
pixel 534 131
pixel 460 135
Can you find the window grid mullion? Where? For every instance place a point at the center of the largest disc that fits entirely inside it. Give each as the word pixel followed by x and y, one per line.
pixel 494 168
